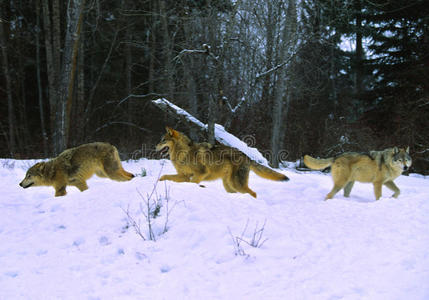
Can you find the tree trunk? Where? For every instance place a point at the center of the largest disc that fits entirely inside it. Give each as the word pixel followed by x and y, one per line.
pixel 269 48
pixel 22 133
pixel 128 73
pixel 168 50
pixel 287 43
pixel 88 106
pixel 71 46
pixel 211 120
pixel 51 70
pixel 152 57
pixel 11 112
pixel 56 37
pixel 80 97
pixel 359 50
pixel 39 83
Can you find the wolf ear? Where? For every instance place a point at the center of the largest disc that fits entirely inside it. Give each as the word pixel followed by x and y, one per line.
pixel 395 150
pixel 40 167
pixel 172 132
pixel 408 149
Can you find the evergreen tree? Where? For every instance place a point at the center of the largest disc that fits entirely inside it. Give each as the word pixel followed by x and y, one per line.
pixel 399 63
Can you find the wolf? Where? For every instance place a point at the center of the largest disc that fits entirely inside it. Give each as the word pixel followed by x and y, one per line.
pixel 76 165
pixel 378 167
pixel 195 162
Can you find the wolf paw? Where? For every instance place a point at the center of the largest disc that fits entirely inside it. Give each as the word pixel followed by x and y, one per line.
pixel 61 192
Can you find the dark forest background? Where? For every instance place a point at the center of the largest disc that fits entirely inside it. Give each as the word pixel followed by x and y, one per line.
pixel 301 76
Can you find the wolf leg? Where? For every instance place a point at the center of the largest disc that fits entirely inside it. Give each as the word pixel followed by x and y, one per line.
pixel 239 184
pixel 249 191
pixel 338 185
pixel 244 189
pixel 81 185
pixel 377 190
pixel 227 187
pixel 100 173
pixel 198 178
pixel 60 190
pixel 118 174
pixel 126 175
pixel 348 188
pixel 391 185
pixel 175 177
pixel 60 185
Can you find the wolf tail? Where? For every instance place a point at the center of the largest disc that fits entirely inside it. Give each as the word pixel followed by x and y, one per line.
pixel 267 173
pixel 317 163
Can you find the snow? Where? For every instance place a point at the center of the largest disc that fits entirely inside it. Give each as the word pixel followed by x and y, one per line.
pixel 82 246
pixel 162 102
pixel 228 139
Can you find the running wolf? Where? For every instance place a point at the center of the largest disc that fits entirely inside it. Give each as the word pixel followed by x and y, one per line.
pixel 378 167
pixel 75 165
pixel 195 162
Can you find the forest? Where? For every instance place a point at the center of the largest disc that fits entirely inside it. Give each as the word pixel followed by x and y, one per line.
pixel 290 77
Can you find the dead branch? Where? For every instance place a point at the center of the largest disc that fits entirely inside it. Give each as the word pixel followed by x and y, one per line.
pixel 206 50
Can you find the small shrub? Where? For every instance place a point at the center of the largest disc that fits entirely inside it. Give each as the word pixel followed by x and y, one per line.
pixel 153 206
pixel 256 240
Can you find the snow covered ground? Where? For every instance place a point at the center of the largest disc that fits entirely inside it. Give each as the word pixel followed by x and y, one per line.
pixel 84 246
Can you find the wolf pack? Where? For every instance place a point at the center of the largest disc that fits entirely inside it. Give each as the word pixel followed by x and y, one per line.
pixel 196 162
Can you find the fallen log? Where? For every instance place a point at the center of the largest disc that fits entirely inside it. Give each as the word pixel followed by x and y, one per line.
pixel 221 135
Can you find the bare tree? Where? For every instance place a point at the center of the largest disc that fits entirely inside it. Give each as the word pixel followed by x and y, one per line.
pixel 39 82
pixel 69 65
pixel 52 72
pixel 287 50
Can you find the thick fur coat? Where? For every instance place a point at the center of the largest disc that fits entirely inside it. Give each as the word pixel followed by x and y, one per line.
pixel 75 166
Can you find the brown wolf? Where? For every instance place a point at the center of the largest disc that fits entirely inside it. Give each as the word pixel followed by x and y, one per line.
pixel 75 165
pixel 195 162
pixel 378 167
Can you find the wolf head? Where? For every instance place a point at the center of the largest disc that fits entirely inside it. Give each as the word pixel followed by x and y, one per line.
pixel 171 138
pixel 34 176
pixel 401 158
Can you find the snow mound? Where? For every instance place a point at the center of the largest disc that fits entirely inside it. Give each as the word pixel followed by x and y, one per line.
pixel 85 245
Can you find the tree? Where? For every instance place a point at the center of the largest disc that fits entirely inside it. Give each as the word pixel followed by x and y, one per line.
pixel 287 49
pixel 400 64
pixel 69 65
pixel 11 111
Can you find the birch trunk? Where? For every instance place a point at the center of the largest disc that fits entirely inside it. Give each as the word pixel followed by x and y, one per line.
pixel 280 91
pixel 69 62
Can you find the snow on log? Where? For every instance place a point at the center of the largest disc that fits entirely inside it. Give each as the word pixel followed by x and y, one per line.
pixel 221 135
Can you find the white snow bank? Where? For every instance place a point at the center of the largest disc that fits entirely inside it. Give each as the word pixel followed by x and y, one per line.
pixel 81 246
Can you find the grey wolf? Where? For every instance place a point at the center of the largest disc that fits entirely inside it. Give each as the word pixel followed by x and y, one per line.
pixel 76 165
pixel 378 167
pixel 195 162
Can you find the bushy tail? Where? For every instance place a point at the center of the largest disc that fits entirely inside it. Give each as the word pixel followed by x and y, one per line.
pixel 267 173
pixel 317 163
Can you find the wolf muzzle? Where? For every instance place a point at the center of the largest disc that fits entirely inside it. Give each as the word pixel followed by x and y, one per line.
pixel 26 186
